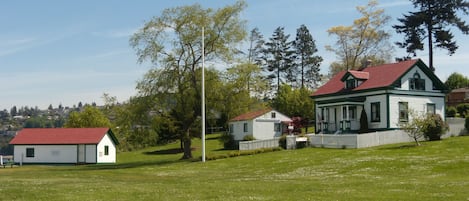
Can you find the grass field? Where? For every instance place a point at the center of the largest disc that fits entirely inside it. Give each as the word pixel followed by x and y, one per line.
pixel 434 171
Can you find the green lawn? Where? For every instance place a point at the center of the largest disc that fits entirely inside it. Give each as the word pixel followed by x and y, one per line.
pixel 433 171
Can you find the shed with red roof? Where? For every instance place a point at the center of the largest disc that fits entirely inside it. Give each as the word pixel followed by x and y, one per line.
pixel 386 93
pixel 65 145
pixel 261 124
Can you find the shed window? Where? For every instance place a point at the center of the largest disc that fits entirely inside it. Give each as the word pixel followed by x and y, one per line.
pixel 272 115
pixel 231 128
pixel 245 125
pixel 106 150
pixel 30 152
pixel 277 127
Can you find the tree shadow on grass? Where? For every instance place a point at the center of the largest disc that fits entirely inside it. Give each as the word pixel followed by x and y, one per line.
pixel 405 146
pixel 166 151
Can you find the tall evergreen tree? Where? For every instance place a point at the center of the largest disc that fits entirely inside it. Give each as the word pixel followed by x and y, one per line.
pixel 277 58
pixel 308 63
pixel 432 22
pixel 256 43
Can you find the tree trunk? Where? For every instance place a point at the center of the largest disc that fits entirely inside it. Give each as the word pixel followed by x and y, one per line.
pixel 186 141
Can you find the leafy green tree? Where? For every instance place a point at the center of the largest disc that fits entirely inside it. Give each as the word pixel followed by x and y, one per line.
pixel 294 102
pixel 277 59
pixel 308 63
pixel 366 39
pixel 363 122
pixel 456 80
pixel 89 117
pixel 172 43
pixel 432 21
pixel 415 127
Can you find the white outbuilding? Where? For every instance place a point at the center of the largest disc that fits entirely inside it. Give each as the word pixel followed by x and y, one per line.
pixel 261 124
pixel 65 145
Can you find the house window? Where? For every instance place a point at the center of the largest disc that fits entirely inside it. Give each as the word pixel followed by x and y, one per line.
pixel 231 128
pixel 272 115
pixel 30 152
pixel 277 127
pixel 325 114
pixel 375 112
pixel 106 150
pixel 403 112
pixel 245 125
pixel 416 83
pixel 350 84
pixel 431 108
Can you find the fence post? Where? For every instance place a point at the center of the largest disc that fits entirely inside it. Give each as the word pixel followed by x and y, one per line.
pixel 291 142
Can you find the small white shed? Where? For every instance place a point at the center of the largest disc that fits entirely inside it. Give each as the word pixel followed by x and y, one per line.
pixel 65 145
pixel 261 124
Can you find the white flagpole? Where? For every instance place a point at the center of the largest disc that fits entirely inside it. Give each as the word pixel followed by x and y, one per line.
pixel 203 96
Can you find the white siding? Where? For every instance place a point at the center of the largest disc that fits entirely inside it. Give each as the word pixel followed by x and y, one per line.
pixel 405 84
pixel 238 129
pixel 111 157
pixel 46 154
pixel 416 104
pixel 383 118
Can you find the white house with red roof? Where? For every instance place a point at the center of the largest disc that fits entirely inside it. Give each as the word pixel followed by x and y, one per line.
pixel 261 124
pixel 386 93
pixel 65 145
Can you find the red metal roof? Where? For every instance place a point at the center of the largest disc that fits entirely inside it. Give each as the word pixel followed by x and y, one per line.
pixel 251 115
pixel 360 74
pixel 378 76
pixel 33 136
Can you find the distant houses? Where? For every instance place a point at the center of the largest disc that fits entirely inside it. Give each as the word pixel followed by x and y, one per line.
pixel 65 145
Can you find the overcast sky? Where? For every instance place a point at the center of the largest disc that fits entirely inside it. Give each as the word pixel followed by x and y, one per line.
pixel 63 52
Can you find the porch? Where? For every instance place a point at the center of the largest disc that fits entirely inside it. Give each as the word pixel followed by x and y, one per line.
pixel 340 117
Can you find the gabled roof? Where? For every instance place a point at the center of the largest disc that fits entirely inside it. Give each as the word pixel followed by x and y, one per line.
pixel 50 136
pixel 251 115
pixel 381 76
pixel 356 74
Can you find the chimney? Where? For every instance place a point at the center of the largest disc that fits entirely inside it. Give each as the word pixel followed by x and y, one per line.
pixel 365 64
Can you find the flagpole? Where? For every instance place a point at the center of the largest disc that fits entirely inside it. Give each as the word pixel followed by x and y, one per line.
pixel 203 96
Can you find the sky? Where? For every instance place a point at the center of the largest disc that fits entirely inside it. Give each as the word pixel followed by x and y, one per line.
pixel 65 52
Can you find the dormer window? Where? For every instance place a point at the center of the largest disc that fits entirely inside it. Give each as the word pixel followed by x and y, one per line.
pixel 416 82
pixel 350 84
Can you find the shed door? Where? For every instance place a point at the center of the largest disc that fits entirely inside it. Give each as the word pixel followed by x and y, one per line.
pixel 81 153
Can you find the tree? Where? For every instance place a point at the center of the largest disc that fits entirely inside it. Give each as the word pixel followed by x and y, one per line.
pixel 456 80
pixel 172 43
pixel 13 111
pixel 415 128
pixel 277 59
pixel 89 117
pixel 364 40
pixel 305 48
pixel 256 43
pixel 294 102
pixel 432 21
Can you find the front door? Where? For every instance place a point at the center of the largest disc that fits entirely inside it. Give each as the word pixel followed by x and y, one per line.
pixel 81 153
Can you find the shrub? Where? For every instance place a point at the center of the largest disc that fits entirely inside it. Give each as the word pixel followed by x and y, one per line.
pixel 463 109
pixel 363 122
pixel 282 142
pixel 228 141
pixel 451 112
pixel 435 127
pixel 248 138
